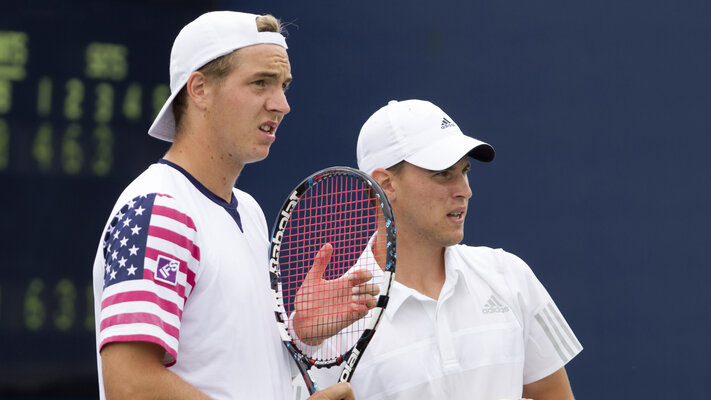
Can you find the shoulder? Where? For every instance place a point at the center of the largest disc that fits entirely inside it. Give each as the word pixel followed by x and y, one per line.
pixel 486 259
pixel 246 201
pixel 248 206
pixel 159 190
pixel 158 178
pixel 497 267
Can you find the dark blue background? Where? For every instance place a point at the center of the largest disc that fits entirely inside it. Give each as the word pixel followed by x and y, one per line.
pixel 600 113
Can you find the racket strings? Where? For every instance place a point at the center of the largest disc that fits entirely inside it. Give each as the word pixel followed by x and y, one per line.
pixel 338 210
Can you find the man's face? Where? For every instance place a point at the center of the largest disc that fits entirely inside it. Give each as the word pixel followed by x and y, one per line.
pixel 248 105
pixel 430 206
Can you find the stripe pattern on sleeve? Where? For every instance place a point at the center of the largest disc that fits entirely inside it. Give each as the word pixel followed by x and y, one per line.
pixel 558 332
pixel 149 271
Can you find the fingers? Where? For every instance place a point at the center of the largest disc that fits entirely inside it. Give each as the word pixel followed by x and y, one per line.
pixel 359 276
pixel 363 293
pixel 371 289
pixel 356 312
pixel 321 260
pixel 360 305
pixel 338 391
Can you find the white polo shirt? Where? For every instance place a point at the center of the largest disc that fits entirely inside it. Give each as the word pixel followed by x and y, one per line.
pixel 493 329
pixel 184 269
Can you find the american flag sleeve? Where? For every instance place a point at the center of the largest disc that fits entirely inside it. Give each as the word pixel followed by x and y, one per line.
pixel 150 259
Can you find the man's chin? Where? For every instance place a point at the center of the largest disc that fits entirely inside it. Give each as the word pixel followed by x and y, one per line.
pixel 453 240
pixel 259 157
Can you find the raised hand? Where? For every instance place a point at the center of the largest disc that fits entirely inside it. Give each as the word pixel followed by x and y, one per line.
pixel 324 307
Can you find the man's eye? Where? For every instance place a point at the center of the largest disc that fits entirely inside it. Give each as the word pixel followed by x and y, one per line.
pixel 260 83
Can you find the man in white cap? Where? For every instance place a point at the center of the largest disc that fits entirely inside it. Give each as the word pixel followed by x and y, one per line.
pixel 182 300
pixel 462 322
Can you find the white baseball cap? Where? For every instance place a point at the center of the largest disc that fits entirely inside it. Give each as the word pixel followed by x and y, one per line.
pixel 418 132
pixel 210 36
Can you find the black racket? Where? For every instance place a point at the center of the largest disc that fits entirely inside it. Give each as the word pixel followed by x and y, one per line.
pixel 322 320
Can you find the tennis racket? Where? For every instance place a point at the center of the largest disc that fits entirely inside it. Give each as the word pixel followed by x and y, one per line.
pixel 331 265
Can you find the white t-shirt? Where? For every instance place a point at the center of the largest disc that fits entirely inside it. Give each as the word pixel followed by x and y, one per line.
pixel 493 329
pixel 180 267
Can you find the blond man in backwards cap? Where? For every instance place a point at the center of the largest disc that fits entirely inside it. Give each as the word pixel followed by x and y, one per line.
pixel 182 298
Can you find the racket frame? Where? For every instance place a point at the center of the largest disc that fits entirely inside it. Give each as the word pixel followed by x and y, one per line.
pixel 352 356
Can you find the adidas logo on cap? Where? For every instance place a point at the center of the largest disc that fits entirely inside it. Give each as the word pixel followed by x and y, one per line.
pixel 446 123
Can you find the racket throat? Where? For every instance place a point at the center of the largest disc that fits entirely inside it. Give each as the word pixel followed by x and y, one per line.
pixel 351 362
pixel 304 367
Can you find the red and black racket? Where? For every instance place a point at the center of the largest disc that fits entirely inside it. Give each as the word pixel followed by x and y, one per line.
pixel 332 262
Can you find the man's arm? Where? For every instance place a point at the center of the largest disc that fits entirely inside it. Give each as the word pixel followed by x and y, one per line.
pixel 134 370
pixel 553 387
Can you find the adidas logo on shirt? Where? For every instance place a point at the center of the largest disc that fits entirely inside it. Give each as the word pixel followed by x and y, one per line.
pixel 494 306
pixel 446 123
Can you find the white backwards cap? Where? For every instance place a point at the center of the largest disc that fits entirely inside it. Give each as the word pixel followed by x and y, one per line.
pixel 418 132
pixel 210 36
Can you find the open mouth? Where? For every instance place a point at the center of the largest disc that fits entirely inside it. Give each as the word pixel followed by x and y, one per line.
pixel 458 215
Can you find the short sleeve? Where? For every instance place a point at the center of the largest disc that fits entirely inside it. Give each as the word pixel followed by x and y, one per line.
pixel 150 261
pixel 549 341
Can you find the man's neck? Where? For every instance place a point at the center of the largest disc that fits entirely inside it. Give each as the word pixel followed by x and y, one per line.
pixel 420 267
pixel 195 156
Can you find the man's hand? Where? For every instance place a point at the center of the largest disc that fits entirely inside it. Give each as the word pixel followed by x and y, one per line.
pixel 339 391
pixel 324 307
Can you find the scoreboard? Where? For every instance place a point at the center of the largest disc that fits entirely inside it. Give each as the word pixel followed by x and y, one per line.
pixel 80 83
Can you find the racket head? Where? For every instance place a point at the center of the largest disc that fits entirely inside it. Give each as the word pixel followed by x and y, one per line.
pixel 346 208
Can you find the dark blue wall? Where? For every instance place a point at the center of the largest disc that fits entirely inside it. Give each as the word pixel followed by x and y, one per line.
pixel 600 113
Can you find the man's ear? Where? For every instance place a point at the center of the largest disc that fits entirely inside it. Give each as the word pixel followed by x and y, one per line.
pixel 198 89
pixel 385 180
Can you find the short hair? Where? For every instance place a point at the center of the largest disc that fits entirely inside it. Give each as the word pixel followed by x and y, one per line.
pixel 220 67
pixel 397 168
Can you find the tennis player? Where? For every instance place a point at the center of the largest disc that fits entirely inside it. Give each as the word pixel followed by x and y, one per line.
pixel 182 298
pixel 462 322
